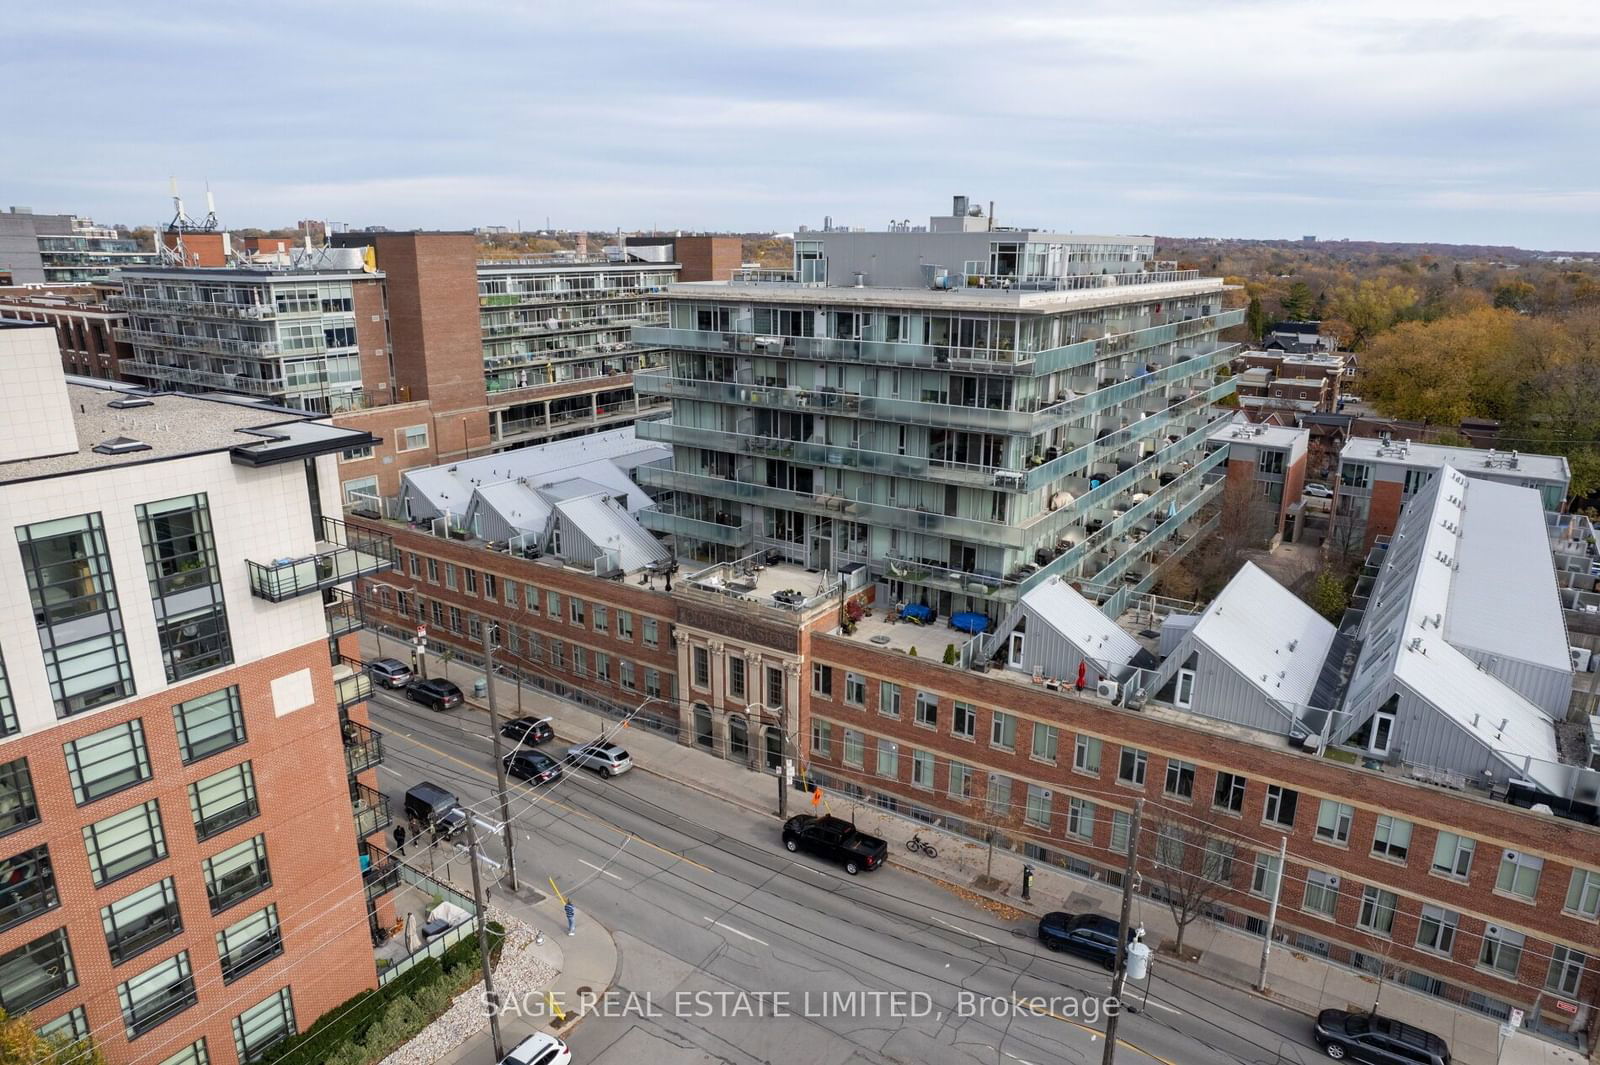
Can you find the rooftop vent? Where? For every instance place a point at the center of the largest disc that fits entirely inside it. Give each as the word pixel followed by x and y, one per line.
pixel 130 402
pixel 120 445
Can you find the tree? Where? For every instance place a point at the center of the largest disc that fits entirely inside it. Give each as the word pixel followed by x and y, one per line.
pixel 1444 371
pixel 1378 960
pixel 1191 858
pixel 1514 295
pixel 1328 596
pixel 21 1044
pixel 1371 307
pixel 1297 302
pixel 1255 319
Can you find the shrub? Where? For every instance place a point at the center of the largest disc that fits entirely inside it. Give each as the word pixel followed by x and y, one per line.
pixel 950 656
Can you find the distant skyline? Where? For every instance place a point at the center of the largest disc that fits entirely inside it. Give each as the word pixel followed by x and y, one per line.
pixel 1407 120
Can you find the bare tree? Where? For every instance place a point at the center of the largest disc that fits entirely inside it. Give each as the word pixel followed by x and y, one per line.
pixel 1191 858
pixel 1377 953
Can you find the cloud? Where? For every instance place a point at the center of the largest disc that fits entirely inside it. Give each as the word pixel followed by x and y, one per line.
pixel 1434 119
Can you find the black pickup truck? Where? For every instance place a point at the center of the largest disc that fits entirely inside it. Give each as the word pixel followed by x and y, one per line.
pixel 836 840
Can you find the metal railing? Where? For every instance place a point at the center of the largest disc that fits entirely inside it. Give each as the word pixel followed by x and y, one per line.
pixel 352 684
pixel 363 747
pixel 978 276
pixel 342 609
pixel 344 554
pixel 381 873
pixel 370 808
pixel 229 382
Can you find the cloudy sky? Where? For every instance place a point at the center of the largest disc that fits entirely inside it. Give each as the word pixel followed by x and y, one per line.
pixel 1451 120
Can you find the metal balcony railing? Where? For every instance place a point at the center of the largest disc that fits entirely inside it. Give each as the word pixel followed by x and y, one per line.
pixel 363 747
pixel 380 871
pixel 351 682
pixel 370 808
pixel 342 555
pixel 343 610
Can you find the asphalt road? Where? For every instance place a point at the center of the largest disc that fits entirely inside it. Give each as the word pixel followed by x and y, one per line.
pixel 734 951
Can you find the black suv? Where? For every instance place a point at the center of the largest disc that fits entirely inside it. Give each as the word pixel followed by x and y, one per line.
pixel 835 839
pixel 1369 1038
pixel 434 693
pixel 530 730
pixel 1088 935
pixel 432 807
pixel 536 767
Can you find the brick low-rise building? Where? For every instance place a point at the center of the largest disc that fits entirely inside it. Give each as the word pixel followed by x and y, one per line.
pixel 181 819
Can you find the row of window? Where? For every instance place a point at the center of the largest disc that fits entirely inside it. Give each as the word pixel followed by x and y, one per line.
pixel 738 679
pixel 137 923
pixel 1214 858
pixel 515 595
pixel 78 613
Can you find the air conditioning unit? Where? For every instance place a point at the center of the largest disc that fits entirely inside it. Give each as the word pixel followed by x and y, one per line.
pixel 1107 689
pixel 1582 659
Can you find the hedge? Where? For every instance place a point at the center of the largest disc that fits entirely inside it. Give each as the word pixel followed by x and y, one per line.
pixel 393 1013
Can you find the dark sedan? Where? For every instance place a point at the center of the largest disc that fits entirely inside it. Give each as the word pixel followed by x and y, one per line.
pixel 532 766
pixel 530 731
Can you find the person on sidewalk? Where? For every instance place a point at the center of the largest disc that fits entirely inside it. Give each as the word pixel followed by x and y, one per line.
pixel 400 839
pixel 572 917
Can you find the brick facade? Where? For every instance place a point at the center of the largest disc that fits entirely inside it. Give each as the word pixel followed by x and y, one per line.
pixel 708 258
pixel 451 436
pixel 434 327
pixel 305 815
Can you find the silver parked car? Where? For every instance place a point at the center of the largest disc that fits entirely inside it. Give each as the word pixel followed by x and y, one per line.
pixel 605 758
pixel 390 672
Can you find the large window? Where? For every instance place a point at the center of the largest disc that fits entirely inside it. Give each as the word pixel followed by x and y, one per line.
pixel 1229 793
pixel 1502 950
pixel 180 559
pixel 1377 910
pixel 927 711
pixel 157 994
pixel 854 749
pixel 1392 838
pixel 36 972
pixel 222 800
pixel 1080 818
pixel 736 675
pixel 1322 892
pixel 922 768
pixel 193 1054
pixel 263 1025
pixel 124 842
pixel 775 686
pixel 8 710
pixel 208 724
pixel 1436 929
pixel 888 758
pixel 108 761
pixel 1131 766
pixel 18 807
pixel 1333 821
pixel 27 886
pixel 1086 755
pixel 75 608
pixel 1280 807
pixel 964 721
pixel 1583 893
pixel 888 699
pixel 1037 810
pixel 1452 855
pixel 1180 779
pixel 1519 874
pixel 135 924
pixel 1566 971
pixel 237 873
pixel 1045 742
pixel 247 944
pixel 855 688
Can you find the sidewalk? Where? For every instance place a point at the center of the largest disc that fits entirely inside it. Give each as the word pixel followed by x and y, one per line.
pixel 1230 957
pixel 586 964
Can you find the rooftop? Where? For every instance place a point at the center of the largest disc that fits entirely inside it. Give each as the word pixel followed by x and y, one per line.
pixel 1269 635
pixel 173 426
pixel 997 300
pixel 1468 460
pixel 1260 434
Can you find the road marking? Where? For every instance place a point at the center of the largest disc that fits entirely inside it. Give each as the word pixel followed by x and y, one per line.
pixel 546 800
pixel 1162 1006
pixel 1095 1035
pixel 391 772
pixel 963 931
pixel 599 870
pixel 735 931
pixel 1013 1057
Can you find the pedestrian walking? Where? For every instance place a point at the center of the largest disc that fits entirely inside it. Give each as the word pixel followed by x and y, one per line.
pixel 572 917
pixel 400 839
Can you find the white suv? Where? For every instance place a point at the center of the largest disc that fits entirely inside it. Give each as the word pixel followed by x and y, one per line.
pixel 607 758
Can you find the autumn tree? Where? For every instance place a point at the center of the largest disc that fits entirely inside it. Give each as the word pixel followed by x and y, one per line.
pixel 1371 307
pixel 1514 295
pixel 21 1044
pixel 1191 859
pixel 1443 371
pixel 1328 595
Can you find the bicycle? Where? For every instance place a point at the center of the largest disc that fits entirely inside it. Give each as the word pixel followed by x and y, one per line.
pixel 917 843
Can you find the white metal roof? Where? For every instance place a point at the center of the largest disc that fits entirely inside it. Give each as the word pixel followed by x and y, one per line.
pixel 1080 622
pixel 608 526
pixel 1469 460
pixel 1268 634
pixel 1244 431
pixel 1503 595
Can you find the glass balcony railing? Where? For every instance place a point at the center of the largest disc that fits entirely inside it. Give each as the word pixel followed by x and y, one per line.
pixel 380 871
pixel 343 554
pixel 230 382
pixel 352 685
pixel 363 747
pixel 662 519
pixel 343 611
pixel 833 506
pixel 821 455
pixel 370 808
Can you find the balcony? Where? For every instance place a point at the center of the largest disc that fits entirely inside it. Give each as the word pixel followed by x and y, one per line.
pixel 380 872
pixel 254 312
pixel 351 683
pixel 258 349
pixel 342 609
pixel 370 808
pixel 830 506
pixel 978 276
pixel 230 382
pixel 343 554
pixel 727 530
pixel 363 747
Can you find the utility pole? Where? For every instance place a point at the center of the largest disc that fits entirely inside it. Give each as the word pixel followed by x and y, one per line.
pixel 1272 912
pixel 1129 873
pixel 490 631
pixel 483 937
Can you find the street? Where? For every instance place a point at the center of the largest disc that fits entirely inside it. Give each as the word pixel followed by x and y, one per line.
pixel 734 951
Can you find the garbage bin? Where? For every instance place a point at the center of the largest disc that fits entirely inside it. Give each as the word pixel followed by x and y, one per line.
pixel 480 688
